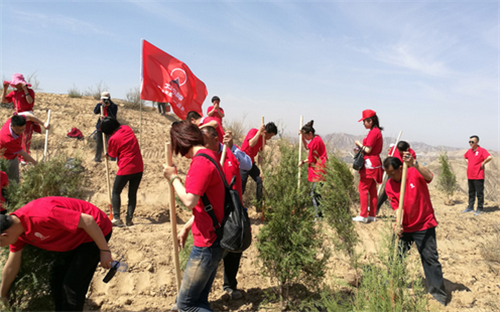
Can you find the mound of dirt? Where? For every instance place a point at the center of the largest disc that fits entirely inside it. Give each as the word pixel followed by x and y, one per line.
pixel 149 284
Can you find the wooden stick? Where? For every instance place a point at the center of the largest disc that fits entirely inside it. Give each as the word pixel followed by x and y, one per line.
pixel 46 138
pixel 104 145
pixel 300 147
pixel 399 213
pixel 223 157
pixel 384 177
pixel 173 220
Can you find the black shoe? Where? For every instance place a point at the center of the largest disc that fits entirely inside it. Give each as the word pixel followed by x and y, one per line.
pixel 97 160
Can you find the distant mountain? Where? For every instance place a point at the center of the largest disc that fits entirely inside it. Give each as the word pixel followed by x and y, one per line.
pixel 343 143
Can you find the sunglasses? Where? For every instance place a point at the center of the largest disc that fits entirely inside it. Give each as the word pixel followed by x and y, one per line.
pixel 471 142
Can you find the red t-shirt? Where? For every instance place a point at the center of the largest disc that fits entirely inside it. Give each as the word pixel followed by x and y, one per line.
pixel 317 159
pixel 203 178
pixel 397 155
pixel 418 214
pixel 215 114
pixel 19 100
pixel 51 223
pixel 375 141
pixel 474 161
pixel 123 145
pixel 252 151
pixel 231 169
pixel 9 145
pixel 4 181
pixel 220 131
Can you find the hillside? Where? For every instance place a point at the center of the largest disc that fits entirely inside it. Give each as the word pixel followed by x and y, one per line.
pixel 149 284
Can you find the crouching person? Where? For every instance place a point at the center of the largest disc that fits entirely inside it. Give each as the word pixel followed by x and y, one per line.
pixel 75 228
pixel 419 222
pixel 202 178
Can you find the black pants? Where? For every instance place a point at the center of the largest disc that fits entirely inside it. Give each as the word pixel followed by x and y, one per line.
pixel 72 274
pixel 231 266
pixel 133 181
pixel 161 108
pixel 99 146
pixel 476 188
pixel 427 247
pixel 254 172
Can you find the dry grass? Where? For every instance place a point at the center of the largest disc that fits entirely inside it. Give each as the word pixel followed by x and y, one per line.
pixel 237 128
pixel 490 250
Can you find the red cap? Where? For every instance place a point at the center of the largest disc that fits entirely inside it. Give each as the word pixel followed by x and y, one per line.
pixel 367 113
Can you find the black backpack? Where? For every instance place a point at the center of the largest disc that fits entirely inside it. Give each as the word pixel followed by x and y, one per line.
pixel 234 233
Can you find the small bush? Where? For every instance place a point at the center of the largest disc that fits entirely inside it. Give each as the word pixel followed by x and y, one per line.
pixel 337 195
pixel 447 181
pixel 96 91
pixel 133 98
pixel 237 128
pixel 33 80
pixel 290 246
pixel 74 92
pixel 392 285
pixel 60 176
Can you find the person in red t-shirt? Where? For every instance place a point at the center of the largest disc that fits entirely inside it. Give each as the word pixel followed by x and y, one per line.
pixel 215 110
pixel 316 161
pixel 23 98
pixel 401 147
pixel 202 178
pixel 196 119
pixel 4 182
pixel 11 136
pixel 476 158
pixel 75 228
pixel 252 144
pixel 419 223
pixel 234 161
pixel 123 145
pixel 371 173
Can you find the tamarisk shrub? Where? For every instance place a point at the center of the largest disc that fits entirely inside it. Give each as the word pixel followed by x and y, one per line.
pixel 447 181
pixel 60 176
pixel 290 247
pixel 337 195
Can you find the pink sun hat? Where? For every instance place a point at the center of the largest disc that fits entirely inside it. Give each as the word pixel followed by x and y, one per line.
pixel 18 78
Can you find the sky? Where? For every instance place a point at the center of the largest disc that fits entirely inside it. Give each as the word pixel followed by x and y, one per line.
pixel 428 68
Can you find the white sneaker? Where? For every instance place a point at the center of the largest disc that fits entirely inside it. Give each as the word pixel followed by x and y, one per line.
pixel 360 219
pixel 372 219
pixel 23 163
pixel 117 222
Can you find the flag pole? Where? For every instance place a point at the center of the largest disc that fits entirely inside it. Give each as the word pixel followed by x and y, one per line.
pixel 46 138
pixel 300 147
pixel 104 145
pixel 173 220
pixel 223 157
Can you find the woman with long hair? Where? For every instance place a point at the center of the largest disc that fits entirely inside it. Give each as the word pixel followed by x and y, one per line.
pixel 316 161
pixel 202 179
pixel 371 173
pixel 124 146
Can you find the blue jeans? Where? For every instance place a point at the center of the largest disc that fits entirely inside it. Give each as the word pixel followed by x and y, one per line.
pixel 198 278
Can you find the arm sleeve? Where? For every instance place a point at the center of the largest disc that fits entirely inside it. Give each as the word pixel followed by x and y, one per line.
pixel 112 148
pixel 97 109
pixel 243 159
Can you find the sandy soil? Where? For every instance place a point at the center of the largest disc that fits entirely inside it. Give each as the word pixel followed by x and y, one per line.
pixel 149 284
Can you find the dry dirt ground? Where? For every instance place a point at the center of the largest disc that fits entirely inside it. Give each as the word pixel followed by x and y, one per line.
pixel 149 284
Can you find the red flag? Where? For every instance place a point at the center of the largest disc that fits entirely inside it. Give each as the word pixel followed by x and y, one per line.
pixel 166 79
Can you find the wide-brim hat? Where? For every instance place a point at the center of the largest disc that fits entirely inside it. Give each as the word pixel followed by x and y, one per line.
pixel 367 113
pixel 16 79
